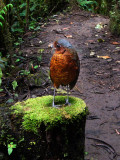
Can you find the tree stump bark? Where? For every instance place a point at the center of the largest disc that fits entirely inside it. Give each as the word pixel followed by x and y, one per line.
pixel 46 133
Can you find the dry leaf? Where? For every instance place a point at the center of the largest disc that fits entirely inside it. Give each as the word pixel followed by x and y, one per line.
pixel 71 22
pixel 67 28
pixel 100 40
pixel 40 42
pixel 117 61
pixel 92 53
pixel 2 94
pixel 116 69
pixel 68 36
pixel 115 43
pixel 104 57
pixel 99 26
pixel 91 41
pixel 117 132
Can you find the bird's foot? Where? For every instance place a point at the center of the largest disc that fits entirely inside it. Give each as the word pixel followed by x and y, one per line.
pixel 56 106
pixel 67 103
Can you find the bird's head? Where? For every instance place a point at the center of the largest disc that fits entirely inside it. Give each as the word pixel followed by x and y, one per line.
pixel 62 44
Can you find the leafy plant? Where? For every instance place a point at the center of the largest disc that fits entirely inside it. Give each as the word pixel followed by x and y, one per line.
pixel 25 72
pixel 115 19
pixel 41 50
pixel 10 100
pixel 2 66
pixel 35 67
pixel 26 14
pixel 86 153
pixel 85 4
pixel 17 60
pixel 32 25
pixel 3 12
pixel 0 78
pixel 10 147
pixel 39 58
pixel 14 84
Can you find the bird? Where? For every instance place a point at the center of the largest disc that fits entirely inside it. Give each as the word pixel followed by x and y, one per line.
pixel 64 67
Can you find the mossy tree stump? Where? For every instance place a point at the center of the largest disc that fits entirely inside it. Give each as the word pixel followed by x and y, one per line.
pixel 51 133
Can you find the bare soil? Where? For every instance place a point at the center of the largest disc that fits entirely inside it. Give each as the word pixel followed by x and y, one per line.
pixel 99 80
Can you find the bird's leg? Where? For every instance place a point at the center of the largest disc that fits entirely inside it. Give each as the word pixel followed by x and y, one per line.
pixel 67 100
pixel 53 104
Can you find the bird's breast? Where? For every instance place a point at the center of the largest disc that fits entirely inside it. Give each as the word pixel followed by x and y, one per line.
pixel 63 69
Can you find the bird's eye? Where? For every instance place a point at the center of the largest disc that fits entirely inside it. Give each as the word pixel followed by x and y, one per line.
pixel 58 46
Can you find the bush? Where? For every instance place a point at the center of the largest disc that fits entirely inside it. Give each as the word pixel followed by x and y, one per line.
pixel 115 19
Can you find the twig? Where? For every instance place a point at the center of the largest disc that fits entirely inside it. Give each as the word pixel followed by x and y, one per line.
pixel 54 8
pixel 8 92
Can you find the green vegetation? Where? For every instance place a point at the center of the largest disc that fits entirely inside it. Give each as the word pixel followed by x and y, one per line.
pixel 3 14
pixel 115 19
pixel 36 111
pixel 0 78
pixel 88 5
pixel 35 119
pixel 18 18
pixel 26 17
pixel 14 84
pixel 10 147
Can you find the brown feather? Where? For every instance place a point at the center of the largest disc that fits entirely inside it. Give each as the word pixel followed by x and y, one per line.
pixel 64 66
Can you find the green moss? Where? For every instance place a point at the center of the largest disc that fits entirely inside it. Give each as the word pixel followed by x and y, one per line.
pixel 36 111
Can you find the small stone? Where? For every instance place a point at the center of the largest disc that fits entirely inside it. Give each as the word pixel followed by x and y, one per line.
pixel 34 96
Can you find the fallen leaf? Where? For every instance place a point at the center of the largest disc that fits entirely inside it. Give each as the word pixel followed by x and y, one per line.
pixel 91 41
pixel 40 42
pixel 99 26
pixel 68 36
pixel 117 61
pixel 86 44
pixel 55 15
pixel 71 22
pixel 116 69
pixel 115 43
pixel 104 57
pixel 92 53
pixel 2 94
pixel 117 132
pixel 67 28
pixel 41 50
pixel 92 15
pixel 100 40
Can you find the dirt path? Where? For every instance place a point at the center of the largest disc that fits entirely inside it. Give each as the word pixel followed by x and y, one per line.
pixel 99 79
